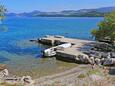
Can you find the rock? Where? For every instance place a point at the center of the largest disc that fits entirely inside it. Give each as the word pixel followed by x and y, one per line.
pixel 92 60
pixel 104 55
pixel 77 59
pixel 2 67
pixel 98 61
pixel 27 80
pixel 87 59
pixel 103 46
pixel 113 61
pixel 83 58
pixel 95 54
pixel 112 54
pixel 102 60
pixel 4 73
pixel 109 55
pixel 108 61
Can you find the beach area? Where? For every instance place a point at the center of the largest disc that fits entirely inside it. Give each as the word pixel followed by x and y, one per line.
pixel 56 71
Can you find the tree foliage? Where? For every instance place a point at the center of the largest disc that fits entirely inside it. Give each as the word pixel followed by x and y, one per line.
pixel 106 29
pixel 2 16
pixel 2 12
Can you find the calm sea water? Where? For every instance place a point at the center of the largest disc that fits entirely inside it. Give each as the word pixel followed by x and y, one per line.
pixel 15 48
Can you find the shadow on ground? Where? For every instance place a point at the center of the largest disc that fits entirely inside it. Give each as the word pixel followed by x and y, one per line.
pixel 112 71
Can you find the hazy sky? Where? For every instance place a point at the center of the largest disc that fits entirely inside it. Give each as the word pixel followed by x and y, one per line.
pixel 54 5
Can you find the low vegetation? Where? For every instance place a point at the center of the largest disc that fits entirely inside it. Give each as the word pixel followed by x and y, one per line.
pixel 81 76
pixel 94 71
pixel 2 12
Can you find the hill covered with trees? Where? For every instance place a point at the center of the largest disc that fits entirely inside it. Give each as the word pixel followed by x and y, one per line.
pixel 98 12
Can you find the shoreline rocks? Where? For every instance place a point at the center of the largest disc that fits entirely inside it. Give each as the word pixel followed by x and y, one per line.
pixel 2 67
pixel 24 80
pixel 4 73
pixel 84 51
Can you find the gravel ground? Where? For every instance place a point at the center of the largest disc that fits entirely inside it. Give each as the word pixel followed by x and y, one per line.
pixel 82 75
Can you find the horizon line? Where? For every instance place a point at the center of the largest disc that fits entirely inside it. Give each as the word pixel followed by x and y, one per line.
pixel 60 10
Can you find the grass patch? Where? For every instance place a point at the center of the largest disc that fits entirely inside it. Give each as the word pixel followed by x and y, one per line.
pixel 95 71
pixel 81 76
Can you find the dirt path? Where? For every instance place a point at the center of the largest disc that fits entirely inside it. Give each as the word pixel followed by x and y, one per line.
pixel 63 78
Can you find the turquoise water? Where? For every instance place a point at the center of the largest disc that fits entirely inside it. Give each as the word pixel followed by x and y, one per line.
pixel 15 48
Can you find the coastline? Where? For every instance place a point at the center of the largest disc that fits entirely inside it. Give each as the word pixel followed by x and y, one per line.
pixel 58 63
pixel 53 71
pixel 48 64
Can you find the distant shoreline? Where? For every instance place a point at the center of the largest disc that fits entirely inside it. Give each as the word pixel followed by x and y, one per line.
pixel 97 12
pixel 68 16
pixel 58 16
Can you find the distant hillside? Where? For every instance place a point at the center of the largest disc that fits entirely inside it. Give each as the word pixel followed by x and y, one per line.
pixel 99 12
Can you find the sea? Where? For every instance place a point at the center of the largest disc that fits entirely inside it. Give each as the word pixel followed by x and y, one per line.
pixel 17 52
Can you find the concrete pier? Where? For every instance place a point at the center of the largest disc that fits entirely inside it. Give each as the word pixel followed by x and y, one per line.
pixel 77 50
pixel 72 51
pixel 56 40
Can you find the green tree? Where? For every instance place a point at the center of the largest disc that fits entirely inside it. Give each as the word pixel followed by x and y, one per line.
pixel 2 16
pixel 106 29
pixel 2 12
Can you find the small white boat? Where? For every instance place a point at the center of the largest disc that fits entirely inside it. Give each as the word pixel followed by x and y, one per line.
pixel 52 51
pixel 49 52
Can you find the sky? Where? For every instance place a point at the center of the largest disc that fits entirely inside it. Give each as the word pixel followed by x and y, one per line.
pixel 54 5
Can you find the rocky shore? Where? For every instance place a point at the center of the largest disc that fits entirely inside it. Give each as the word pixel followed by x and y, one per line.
pixel 92 71
pixel 83 51
pixel 7 79
pixel 94 74
pixel 82 75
